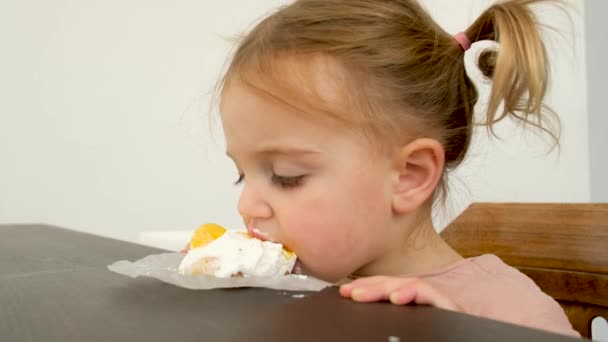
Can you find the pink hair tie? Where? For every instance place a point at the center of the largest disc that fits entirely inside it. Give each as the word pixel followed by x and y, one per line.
pixel 463 40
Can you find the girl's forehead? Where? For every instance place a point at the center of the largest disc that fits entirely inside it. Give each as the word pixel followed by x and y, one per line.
pixel 243 102
pixel 246 112
pixel 254 122
pixel 314 84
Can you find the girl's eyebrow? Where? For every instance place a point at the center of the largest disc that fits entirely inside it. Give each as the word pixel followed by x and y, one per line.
pixel 272 151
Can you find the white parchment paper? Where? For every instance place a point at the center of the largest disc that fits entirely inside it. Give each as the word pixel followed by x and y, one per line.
pixel 164 267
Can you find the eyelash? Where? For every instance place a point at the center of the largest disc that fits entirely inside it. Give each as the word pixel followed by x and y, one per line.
pixel 286 182
pixel 282 181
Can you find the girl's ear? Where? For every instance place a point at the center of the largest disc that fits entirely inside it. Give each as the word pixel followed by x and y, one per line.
pixel 418 167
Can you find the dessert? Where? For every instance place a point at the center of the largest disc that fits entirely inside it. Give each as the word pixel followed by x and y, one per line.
pixel 222 253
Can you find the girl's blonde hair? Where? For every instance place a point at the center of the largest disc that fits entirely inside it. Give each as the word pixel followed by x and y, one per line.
pixel 387 66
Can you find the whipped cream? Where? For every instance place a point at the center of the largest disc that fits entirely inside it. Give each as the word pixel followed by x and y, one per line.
pixel 236 253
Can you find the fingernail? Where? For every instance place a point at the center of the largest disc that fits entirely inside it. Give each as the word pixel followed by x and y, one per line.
pixel 394 298
pixel 356 294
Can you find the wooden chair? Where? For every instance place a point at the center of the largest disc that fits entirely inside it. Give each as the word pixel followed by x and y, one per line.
pixel 562 247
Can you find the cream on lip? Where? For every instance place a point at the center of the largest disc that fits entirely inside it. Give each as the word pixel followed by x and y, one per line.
pixel 255 232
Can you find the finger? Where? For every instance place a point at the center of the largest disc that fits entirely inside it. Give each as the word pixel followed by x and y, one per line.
pixel 379 291
pixel 346 289
pixel 369 280
pixel 424 294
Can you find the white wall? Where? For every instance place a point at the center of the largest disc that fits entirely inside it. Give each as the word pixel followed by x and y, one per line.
pixel 103 117
pixel 597 55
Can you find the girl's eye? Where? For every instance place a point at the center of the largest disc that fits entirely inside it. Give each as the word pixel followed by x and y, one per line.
pixel 240 180
pixel 287 182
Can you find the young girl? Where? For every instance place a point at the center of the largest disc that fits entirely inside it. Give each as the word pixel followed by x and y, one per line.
pixel 343 118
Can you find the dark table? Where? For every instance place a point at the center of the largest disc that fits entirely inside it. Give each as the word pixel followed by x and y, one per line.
pixel 55 286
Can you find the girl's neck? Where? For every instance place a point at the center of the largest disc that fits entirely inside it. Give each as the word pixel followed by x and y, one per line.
pixel 420 251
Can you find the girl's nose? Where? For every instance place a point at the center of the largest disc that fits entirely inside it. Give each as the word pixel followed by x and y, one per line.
pixel 252 205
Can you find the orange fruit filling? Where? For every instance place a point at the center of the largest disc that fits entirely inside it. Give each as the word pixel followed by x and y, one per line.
pixel 205 234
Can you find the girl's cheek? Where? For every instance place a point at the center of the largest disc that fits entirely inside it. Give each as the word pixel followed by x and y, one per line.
pixel 306 240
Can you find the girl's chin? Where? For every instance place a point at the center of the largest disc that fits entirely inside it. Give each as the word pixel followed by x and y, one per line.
pixel 301 269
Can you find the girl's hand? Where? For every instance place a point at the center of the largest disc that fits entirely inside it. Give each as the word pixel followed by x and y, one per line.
pixel 399 291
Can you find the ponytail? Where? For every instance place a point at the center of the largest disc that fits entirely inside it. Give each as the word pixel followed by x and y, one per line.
pixel 519 70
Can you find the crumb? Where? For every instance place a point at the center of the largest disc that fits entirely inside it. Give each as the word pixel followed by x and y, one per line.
pixel 393 339
pixel 299 295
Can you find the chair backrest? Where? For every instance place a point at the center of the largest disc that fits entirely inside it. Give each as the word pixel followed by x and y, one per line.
pixel 562 247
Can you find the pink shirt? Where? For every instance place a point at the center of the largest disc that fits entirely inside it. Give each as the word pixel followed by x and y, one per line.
pixel 485 286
